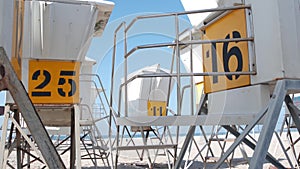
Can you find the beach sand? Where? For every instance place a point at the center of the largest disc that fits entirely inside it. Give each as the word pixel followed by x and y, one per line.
pixel 130 160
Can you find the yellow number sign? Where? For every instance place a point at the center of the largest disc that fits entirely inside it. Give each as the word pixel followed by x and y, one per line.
pixel 199 91
pixel 53 82
pixel 226 56
pixel 157 108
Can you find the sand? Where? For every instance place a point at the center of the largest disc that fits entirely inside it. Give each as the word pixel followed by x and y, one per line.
pixel 130 159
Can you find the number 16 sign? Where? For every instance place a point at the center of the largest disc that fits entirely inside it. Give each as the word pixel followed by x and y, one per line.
pixel 226 56
pixel 53 82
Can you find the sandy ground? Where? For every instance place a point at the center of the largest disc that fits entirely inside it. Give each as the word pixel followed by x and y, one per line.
pixel 130 160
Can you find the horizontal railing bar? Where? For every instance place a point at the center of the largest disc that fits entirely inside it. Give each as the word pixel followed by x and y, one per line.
pixel 187 43
pixel 187 75
pixel 185 13
pixel 194 74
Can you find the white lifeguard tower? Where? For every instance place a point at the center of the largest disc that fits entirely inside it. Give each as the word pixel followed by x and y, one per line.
pixel 248 53
pixel 47 42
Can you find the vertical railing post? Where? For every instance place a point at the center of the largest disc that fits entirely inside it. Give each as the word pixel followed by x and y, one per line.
pixel 192 77
pixel 125 72
pixel 114 164
pixel 111 98
pixel 178 80
pixel 178 66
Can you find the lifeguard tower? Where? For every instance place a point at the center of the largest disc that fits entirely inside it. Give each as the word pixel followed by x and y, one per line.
pixel 46 43
pixel 249 52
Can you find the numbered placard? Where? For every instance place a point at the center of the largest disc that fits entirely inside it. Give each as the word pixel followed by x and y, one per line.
pixel 53 82
pixel 227 56
pixel 157 108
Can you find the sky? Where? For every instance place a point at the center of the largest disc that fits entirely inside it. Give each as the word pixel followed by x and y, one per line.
pixel 149 31
pixel 143 32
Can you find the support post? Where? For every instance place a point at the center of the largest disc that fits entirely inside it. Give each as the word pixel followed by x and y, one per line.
pixel 269 157
pixel 294 111
pixel 3 137
pixel 189 136
pixel 240 138
pixel 269 125
pixel 72 149
pixel 18 137
pixel 187 141
pixel 77 136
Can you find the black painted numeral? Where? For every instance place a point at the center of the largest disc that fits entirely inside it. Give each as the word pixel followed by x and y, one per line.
pixel 42 85
pixel 71 82
pixel 233 52
pixel 63 80
pixel 214 61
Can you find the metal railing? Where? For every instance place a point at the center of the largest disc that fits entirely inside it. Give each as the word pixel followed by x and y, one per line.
pixel 176 46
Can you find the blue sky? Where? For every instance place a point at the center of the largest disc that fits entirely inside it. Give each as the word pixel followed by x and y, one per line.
pixel 147 31
pixel 128 7
pixel 127 11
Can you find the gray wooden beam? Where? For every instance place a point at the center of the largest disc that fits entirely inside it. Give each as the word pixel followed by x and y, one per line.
pixel 10 81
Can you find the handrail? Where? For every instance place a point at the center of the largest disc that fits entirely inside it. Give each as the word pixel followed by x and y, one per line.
pixel 100 82
pixel 176 44
pixel 191 42
pixel 99 95
pixel 151 75
pixel 94 122
pixel 176 74
pixel 123 24
pixel 112 113
pixel 192 78
pixel 184 13
pixel 104 93
pixel 97 89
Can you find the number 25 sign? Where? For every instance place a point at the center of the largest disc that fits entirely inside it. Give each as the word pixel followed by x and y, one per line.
pixel 53 82
pixel 226 56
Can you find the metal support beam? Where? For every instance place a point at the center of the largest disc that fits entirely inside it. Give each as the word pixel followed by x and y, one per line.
pixel 269 157
pixel 187 141
pixel 18 138
pixel 189 136
pixel 73 147
pixel 240 138
pixel 269 125
pixel 10 81
pixel 272 111
pixel 294 111
pixel 77 136
pixel 3 137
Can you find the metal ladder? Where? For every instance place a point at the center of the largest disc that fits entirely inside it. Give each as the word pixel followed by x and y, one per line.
pixel 93 141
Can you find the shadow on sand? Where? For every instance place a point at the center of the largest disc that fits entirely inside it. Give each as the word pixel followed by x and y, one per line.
pixel 194 165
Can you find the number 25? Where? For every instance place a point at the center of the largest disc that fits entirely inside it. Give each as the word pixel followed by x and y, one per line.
pixel 61 83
